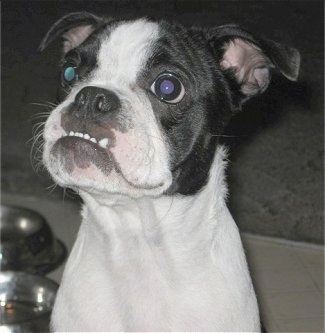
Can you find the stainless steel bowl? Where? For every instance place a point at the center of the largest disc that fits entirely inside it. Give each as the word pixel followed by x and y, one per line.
pixel 26 302
pixel 27 242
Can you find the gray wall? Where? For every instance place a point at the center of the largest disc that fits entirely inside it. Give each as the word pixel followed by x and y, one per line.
pixel 275 172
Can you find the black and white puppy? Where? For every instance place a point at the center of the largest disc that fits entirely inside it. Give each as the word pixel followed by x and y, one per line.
pixel 136 135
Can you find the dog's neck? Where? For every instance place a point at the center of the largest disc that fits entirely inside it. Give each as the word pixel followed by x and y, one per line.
pixel 113 212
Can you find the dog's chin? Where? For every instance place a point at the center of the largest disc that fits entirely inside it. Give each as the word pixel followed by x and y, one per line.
pixel 85 166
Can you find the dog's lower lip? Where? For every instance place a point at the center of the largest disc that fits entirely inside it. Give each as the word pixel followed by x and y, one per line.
pixel 92 143
pixel 74 151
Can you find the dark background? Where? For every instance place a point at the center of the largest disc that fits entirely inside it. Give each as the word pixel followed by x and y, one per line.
pixel 275 172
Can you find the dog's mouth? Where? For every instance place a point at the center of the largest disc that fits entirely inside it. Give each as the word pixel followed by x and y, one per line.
pixel 79 149
pixel 104 142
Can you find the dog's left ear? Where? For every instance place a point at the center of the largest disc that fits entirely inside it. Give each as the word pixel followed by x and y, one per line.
pixel 249 59
pixel 73 28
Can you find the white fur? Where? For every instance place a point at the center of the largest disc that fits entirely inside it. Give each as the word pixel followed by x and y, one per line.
pixel 125 51
pixel 158 264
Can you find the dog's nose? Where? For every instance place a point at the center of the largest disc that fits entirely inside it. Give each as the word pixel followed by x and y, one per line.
pixel 93 102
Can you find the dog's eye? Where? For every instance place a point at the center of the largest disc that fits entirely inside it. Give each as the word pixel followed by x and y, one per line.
pixel 168 88
pixel 69 74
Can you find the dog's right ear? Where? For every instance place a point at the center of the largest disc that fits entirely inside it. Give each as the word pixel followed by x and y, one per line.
pixel 248 60
pixel 73 28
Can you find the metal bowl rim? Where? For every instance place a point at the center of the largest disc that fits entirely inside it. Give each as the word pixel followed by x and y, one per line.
pixel 38 316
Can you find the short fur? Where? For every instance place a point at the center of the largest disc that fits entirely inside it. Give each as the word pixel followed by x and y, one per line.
pixel 157 249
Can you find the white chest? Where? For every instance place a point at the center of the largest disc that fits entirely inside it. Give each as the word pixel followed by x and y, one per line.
pixel 156 280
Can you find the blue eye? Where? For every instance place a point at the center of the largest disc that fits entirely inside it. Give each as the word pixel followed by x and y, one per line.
pixel 69 74
pixel 168 88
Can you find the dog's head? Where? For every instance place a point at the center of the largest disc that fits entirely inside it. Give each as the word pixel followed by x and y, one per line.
pixel 143 102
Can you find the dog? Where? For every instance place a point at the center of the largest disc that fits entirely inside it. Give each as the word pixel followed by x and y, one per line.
pixel 136 134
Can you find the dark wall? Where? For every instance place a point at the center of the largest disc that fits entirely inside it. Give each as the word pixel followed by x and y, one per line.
pixel 276 144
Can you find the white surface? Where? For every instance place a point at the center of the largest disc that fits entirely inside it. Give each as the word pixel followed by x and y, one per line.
pixel 289 282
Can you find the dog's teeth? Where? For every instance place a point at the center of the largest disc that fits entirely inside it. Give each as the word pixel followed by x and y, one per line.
pixel 103 142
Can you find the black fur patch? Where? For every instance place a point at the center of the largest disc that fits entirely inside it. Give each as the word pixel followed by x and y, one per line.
pixel 191 126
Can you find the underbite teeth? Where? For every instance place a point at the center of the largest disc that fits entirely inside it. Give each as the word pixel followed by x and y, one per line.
pixel 102 143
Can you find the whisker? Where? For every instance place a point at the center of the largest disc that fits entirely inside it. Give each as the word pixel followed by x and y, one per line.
pixel 49 106
pixel 36 147
pixel 44 104
pixel 36 140
pixel 52 187
pixel 225 136
pixel 37 127
pixel 41 115
pixel 36 158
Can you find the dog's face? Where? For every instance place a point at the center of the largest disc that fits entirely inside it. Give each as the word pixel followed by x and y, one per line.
pixel 143 102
